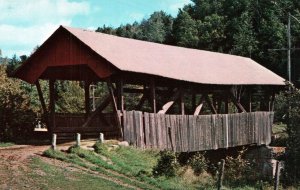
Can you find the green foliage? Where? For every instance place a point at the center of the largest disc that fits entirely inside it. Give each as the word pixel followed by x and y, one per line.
pixel 70 97
pixel 100 148
pixel 198 163
pixel 239 170
pixel 292 157
pixel 16 116
pixel 166 164
pixel 6 144
pixel 185 30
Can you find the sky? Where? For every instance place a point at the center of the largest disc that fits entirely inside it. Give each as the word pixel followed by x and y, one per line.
pixel 24 24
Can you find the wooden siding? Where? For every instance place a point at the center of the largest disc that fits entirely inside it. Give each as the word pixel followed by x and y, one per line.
pixel 188 133
pixel 63 49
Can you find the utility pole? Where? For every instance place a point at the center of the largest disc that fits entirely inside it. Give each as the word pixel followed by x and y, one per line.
pixel 289 48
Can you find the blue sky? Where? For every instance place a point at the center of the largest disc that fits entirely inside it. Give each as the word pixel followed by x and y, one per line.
pixel 24 24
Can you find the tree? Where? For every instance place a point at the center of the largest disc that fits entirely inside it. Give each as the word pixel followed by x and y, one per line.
pixel 292 155
pixel 245 42
pixel 16 116
pixel 185 30
pixel 211 33
pixel 158 28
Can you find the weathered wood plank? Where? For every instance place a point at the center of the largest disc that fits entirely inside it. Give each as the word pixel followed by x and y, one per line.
pixel 147 130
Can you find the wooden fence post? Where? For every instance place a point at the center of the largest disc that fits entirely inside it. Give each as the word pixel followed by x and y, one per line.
pixel 221 174
pixel 53 144
pixel 101 138
pixel 277 174
pixel 78 139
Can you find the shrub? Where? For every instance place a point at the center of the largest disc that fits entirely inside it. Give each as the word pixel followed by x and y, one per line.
pixel 198 163
pixel 100 148
pixel 292 157
pixel 166 164
pixel 239 170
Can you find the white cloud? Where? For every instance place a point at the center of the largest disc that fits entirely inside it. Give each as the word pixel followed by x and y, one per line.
pixel 25 24
pixel 179 4
pixel 35 12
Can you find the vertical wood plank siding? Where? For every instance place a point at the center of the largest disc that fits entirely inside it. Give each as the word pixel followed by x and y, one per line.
pixel 188 133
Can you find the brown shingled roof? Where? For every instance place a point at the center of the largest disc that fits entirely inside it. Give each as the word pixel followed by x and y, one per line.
pixel 178 63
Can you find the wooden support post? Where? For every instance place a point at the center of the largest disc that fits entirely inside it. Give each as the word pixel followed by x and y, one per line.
pixel 277 176
pixel 98 110
pixel 41 97
pixel 238 104
pixel 250 102
pixel 53 144
pixel 120 94
pixel 199 107
pixel 181 100
pixel 193 99
pixel 221 174
pixel 272 102
pixel 114 105
pixel 52 104
pixel 226 105
pixel 87 97
pixel 141 102
pixel 101 138
pixel 153 95
pixel 78 136
pixel 212 108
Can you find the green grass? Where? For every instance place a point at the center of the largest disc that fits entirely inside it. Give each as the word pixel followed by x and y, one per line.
pixel 58 178
pixel 6 144
pixel 134 167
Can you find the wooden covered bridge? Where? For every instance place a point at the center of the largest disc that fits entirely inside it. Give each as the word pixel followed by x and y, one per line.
pixel 190 100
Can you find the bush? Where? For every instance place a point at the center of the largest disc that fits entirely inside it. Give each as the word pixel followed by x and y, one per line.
pixel 239 170
pixel 166 164
pixel 198 163
pixel 292 157
pixel 16 116
pixel 100 148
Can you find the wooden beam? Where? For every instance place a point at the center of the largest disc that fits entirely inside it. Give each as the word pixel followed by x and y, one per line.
pixel 250 102
pixel 114 106
pixel 181 100
pixel 193 100
pixel 210 104
pixel 153 95
pixel 199 107
pixel 98 110
pixel 141 102
pixel 226 105
pixel 168 105
pixel 52 104
pixel 120 94
pixel 41 97
pixel 87 97
pixel 238 104
pixel 272 102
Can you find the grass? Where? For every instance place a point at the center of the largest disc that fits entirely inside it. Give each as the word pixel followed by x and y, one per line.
pixel 6 144
pixel 52 177
pixel 134 167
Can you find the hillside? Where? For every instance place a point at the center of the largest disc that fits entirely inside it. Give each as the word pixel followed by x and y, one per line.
pixel 112 167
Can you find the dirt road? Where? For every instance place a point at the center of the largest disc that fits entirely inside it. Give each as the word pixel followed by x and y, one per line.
pixel 14 163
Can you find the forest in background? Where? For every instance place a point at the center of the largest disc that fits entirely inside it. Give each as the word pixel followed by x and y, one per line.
pixel 250 28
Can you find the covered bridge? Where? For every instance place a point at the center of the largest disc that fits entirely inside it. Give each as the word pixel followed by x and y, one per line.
pixel 199 100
